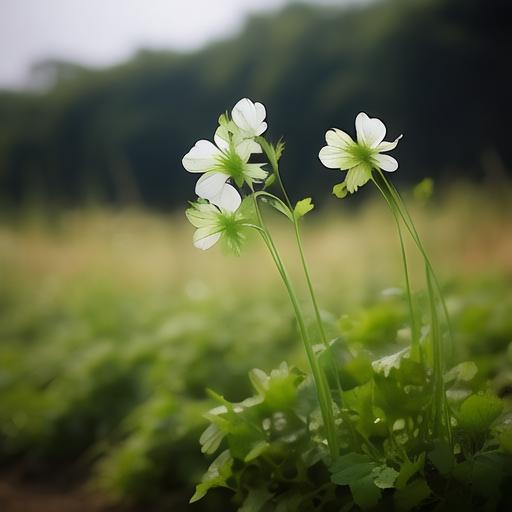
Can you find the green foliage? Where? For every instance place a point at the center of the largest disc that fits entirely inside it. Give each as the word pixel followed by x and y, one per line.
pixel 478 412
pixel 302 207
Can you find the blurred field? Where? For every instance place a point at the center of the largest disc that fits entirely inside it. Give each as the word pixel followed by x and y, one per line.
pixel 112 326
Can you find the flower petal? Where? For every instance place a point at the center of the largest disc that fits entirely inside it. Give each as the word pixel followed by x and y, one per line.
pixel 357 177
pixel 205 242
pixel 210 184
pixel 249 117
pixel 336 158
pixel 386 163
pixel 255 172
pixel 370 131
pixel 338 138
pixel 202 157
pixel 221 138
pixel 245 148
pixel 228 199
pixel 201 215
pixel 388 146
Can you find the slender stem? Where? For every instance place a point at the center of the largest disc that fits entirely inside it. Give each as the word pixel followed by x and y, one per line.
pixel 404 213
pixel 412 315
pixel 396 201
pixel 324 397
pixel 312 294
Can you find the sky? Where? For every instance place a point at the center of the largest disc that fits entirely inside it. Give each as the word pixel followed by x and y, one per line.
pixel 105 32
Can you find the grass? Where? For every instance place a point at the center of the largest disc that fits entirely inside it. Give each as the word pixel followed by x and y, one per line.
pixel 112 325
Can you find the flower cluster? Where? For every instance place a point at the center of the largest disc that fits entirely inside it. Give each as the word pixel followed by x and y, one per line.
pixel 225 160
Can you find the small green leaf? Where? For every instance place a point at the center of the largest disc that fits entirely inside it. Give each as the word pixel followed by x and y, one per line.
pixel 340 190
pixel 270 180
pixel 478 412
pixel 211 439
pixel 365 493
pixel 216 476
pixel 384 477
pixel 256 451
pixel 411 496
pixel 408 470
pixel 348 469
pixel 442 457
pixel 423 190
pixel 464 372
pixel 302 207
pixel 256 499
pixel 279 149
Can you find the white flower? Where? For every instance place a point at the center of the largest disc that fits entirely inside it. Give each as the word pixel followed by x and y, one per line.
pixel 249 117
pixel 359 158
pixel 223 160
pixel 215 218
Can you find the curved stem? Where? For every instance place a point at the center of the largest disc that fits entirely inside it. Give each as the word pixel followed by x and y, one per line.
pixel 404 213
pixel 323 393
pixel 412 315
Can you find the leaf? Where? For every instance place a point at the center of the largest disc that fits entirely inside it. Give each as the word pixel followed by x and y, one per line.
pixel 385 364
pixel 442 457
pixel 407 470
pixel 276 203
pixel 256 451
pixel 462 372
pixel 364 476
pixel 365 493
pixel 340 190
pixel 270 180
pixel 256 499
pixel 348 469
pixel 484 472
pixel 478 412
pixel 385 477
pixel 211 439
pixel 302 207
pixel 424 190
pixel 411 496
pixel 216 476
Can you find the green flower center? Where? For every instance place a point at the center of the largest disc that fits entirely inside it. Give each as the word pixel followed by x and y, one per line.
pixel 231 164
pixel 229 223
pixel 362 154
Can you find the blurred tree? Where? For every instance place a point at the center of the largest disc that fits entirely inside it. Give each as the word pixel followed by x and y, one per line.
pixel 436 70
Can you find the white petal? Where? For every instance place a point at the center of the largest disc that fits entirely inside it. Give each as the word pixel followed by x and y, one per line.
pixel 335 158
pixel 386 163
pixel 210 184
pixel 370 131
pixel 338 138
pixel 207 241
pixel 228 199
pixel 249 117
pixel 221 138
pixel 388 146
pixel 202 215
pixel 202 157
pixel 245 148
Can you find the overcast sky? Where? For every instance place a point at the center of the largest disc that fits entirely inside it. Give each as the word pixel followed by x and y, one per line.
pixel 103 32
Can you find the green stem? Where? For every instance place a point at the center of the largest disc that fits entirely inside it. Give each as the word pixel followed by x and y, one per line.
pixel 414 325
pixel 312 294
pixel 323 392
pixel 441 404
pixel 404 213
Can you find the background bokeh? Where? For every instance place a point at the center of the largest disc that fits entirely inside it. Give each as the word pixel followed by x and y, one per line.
pixel 112 326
